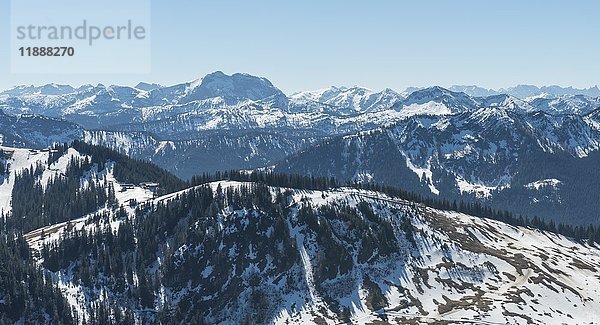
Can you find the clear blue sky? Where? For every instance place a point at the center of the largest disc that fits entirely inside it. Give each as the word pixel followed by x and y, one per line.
pixel 312 44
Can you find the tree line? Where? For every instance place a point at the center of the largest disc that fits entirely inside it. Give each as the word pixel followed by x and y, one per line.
pixel 474 208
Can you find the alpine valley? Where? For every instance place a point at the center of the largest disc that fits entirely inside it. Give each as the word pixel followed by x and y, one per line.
pixel 225 201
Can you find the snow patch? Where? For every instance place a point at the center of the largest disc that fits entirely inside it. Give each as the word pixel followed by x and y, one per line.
pixel 537 185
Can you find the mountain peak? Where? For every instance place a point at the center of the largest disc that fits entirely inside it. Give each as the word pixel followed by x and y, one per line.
pixel 434 92
pixel 217 73
pixel 350 100
pixel 147 86
pixel 389 91
pixel 437 100
pixel 239 86
pixel 51 89
pixel 474 91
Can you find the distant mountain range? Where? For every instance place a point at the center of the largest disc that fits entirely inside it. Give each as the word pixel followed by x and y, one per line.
pixel 239 101
pixel 508 147
pixel 528 91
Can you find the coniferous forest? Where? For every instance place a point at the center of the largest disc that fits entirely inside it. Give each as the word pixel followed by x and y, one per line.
pixel 27 294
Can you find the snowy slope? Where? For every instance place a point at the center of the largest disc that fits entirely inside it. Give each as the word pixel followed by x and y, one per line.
pixel 465 268
pixel 210 153
pixel 567 104
pixel 27 159
pixel 451 267
pixel 351 100
pixel 437 101
pixel 124 196
pixel 35 131
pixel 476 154
pixel 21 159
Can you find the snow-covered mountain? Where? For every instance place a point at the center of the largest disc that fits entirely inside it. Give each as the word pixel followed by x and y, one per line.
pixel 352 100
pixel 232 89
pixel 147 86
pixel 198 154
pixel 568 104
pixel 64 101
pixel 207 154
pixel 48 90
pixel 528 91
pixel 36 131
pixel 305 256
pixel 242 102
pixel 474 91
pixel 492 154
pixel 436 101
pixel 85 100
pixel 508 101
